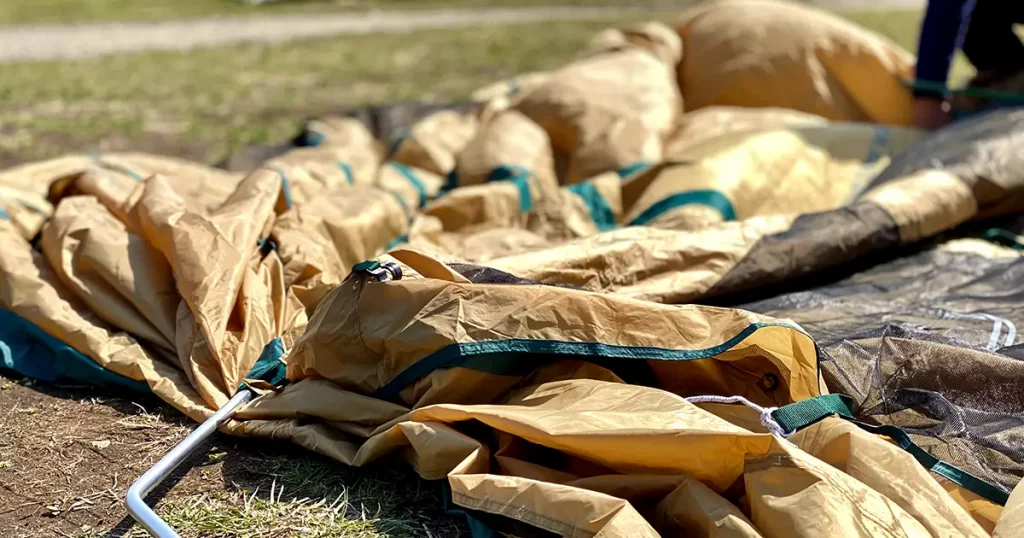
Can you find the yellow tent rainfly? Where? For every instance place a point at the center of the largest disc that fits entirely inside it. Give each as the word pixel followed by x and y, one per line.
pixel 701 281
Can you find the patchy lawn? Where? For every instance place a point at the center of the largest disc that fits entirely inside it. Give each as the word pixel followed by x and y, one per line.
pixel 77 11
pixel 206 103
pixel 202 104
pixel 68 455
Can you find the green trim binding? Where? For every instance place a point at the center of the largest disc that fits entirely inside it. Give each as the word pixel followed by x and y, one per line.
pixel 34 353
pixel 415 181
pixel 396 144
pixel 286 188
pixel 631 169
pixel 799 415
pixel 269 367
pixel 4 214
pixel 598 207
pixel 348 172
pixel 510 352
pixel 951 472
pixel 404 238
pixel 709 198
pixel 521 177
pixel 116 167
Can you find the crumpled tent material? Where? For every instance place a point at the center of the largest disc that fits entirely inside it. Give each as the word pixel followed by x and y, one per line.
pixel 585 312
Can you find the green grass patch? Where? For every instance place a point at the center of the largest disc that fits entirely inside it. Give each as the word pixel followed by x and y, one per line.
pixel 77 11
pixel 201 104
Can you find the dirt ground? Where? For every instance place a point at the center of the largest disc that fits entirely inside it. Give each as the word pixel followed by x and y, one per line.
pixel 69 453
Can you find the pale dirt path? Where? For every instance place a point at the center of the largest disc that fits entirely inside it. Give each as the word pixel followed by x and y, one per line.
pixel 49 42
pixel 22 43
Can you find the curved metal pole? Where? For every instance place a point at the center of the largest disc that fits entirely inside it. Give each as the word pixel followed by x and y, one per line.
pixel 137 507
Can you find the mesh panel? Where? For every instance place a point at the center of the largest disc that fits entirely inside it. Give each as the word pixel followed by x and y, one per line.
pixel 962 405
pixel 925 343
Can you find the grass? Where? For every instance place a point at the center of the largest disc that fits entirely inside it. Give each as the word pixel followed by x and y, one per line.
pixel 66 11
pixel 310 496
pixel 904 27
pixel 206 103
pixel 203 103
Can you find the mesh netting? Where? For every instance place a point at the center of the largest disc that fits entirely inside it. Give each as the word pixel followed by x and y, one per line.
pixel 927 343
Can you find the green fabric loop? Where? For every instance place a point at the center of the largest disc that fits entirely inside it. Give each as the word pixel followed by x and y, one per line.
pixel 598 207
pixel 369 265
pixel 713 199
pixel 4 214
pixel 799 415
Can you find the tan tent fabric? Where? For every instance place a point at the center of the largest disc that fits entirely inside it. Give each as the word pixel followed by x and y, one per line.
pixel 802 170
pixel 507 139
pixel 626 122
pixel 343 133
pixel 766 53
pixel 711 122
pixel 434 141
pixel 519 300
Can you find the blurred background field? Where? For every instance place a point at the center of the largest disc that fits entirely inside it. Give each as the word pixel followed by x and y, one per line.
pixel 202 104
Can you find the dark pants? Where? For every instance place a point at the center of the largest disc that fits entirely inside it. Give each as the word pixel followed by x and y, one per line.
pixel 991 45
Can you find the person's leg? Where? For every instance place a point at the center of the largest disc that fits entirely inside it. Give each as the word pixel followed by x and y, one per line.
pixel 991 44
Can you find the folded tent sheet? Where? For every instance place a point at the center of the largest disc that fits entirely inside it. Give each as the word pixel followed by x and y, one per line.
pixel 541 352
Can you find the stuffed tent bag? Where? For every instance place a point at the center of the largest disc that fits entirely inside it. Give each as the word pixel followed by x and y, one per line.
pixel 611 109
pixel 761 53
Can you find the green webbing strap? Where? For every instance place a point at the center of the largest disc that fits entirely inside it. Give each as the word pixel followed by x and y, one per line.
pixel 953 474
pixel 983 93
pixel 799 415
